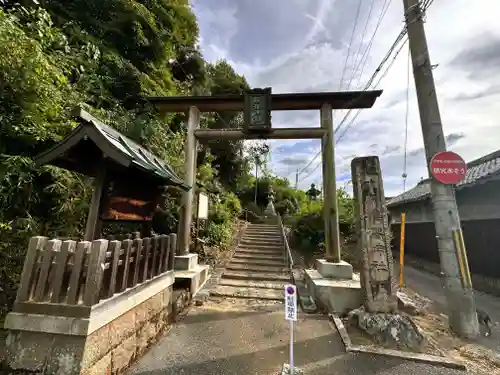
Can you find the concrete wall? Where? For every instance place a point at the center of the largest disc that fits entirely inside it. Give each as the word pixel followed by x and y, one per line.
pixel 118 331
pixel 480 202
pixel 479 209
pixel 481 283
pixel 482 241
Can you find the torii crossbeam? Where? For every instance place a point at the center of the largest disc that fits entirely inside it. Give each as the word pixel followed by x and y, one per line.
pixel 325 102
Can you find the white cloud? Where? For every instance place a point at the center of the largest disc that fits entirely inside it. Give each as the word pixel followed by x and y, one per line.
pixel 303 46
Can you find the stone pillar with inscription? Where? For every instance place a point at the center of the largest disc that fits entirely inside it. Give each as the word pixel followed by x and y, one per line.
pixel 372 228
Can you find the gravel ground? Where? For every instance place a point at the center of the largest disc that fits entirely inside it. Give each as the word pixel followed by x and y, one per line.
pixel 242 337
pixel 430 286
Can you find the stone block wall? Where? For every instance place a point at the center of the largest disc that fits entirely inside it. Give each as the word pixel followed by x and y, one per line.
pixel 113 347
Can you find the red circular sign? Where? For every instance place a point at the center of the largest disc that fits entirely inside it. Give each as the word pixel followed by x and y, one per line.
pixel 448 167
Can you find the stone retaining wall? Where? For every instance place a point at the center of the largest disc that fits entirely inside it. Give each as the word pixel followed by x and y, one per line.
pixel 118 331
pixel 112 348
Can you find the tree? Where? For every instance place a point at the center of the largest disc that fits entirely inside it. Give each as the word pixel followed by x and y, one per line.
pixel 106 55
pixel 229 158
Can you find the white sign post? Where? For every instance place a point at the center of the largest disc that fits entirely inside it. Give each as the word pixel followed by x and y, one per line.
pixel 291 315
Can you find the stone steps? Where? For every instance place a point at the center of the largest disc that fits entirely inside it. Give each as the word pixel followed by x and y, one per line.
pixel 266 227
pixel 258 256
pixel 259 262
pixel 261 246
pixel 268 247
pixel 259 276
pixel 253 284
pixel 253 268
pixel 260 233
pixel 252 237
pixel 268 251
pixel 257 269
pixel 253 293
pixel 261 237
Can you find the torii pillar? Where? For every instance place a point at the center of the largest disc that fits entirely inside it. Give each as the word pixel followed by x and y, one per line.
pixel 187 270
pixel 185 260
pixel 332 266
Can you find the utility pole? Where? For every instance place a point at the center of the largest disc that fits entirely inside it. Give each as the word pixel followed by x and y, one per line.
pixel 461 305
pixel 297 179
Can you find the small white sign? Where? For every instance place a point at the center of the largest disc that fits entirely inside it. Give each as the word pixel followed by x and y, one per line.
pixel 291 302
pixel 202 206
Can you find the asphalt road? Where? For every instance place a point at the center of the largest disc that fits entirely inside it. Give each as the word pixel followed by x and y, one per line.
pixel 430 286
pixel 233 337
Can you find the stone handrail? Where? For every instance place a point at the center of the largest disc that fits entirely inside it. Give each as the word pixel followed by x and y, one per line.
pixel 67 278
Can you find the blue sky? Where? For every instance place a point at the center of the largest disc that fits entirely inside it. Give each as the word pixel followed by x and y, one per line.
pixel 301 45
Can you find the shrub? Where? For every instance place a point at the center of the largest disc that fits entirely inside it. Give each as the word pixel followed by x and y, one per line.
pixel 219 233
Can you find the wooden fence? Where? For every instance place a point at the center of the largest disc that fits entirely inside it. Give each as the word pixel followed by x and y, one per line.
pixel 66 278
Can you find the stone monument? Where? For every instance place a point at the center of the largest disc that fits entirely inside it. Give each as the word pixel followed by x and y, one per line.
pixel 372 229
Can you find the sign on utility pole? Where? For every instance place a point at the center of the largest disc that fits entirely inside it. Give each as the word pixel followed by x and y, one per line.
pixel 448 167
pixel 459 294
pixel 291 315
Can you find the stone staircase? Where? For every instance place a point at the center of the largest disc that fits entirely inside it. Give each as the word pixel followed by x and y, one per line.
pixel 257 269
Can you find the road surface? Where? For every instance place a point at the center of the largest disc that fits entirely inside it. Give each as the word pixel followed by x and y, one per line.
pixel 235 337
pixel 430 286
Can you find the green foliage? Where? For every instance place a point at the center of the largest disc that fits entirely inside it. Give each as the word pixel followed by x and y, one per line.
pixel 34 92
pixel 107 56
pixel 288 200
pixel 232 203
pixel 229 158
pixel 309 226
pixel 219 234
pixel 285 207
pixel 224 211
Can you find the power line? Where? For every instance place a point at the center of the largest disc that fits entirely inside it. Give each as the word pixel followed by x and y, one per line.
pixel 361 43
pixel 367 86
pixel 383 12
pixel 401 35
pixel 381 16
pixel 348 52
pixel 378 82
pixel 350 44
pixel 356 115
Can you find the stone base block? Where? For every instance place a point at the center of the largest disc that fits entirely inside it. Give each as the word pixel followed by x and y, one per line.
pixel 197 277
pixel 340 270
pixel 185 262
pixel 337 296
pixel 44 353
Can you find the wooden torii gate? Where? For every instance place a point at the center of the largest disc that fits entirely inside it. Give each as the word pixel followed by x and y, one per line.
pixel 257 105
